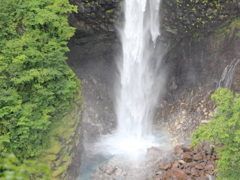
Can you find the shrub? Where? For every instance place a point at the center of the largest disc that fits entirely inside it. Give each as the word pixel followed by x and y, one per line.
pixel 224 132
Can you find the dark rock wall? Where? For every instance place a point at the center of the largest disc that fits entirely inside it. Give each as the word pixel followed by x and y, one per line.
pixel 182 18
pixel 179 17
pixel 96 15
pixel 92 59
pixel 196 69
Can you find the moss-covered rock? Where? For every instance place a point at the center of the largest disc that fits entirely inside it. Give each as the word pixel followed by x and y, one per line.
pixel 185 17
pixel 64 145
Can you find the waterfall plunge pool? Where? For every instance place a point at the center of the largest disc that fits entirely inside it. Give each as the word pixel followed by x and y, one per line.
pixel 119 151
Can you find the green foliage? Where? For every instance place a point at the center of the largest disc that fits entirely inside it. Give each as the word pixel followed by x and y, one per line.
pixel 233 27
pixel 110 11
pixel 12 169
pixel 224 131
pixel 37 87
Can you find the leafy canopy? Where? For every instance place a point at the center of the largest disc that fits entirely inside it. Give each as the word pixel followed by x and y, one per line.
pixel 37 87
pixel 224 131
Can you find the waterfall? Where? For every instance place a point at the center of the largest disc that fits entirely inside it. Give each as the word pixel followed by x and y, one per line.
pixel 141 81
pixel 137 98
pixel 227 75
pixel 139 88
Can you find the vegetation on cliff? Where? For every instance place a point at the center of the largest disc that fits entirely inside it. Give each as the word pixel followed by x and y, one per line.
pixel 224 132
pixel 37 86
pixel 11 168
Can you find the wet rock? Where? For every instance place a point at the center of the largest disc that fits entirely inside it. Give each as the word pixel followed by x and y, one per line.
pixel 210 177
pixel 118 178
pixel 175 164
pixel 195 172
pixel 201 178
pixel 118 171
pixel 209 167
pixel 159 172
pixel 193 164
pixel 110 170
pixel 217 157
pixel 198 157
pixel 199 166
pixel 187 171
pixel 176 173
pixel 165 166
pixel 152 154
pixel 187 157
pixel 178 149
pixel 186 148
pixel 103 167
pixel 181 161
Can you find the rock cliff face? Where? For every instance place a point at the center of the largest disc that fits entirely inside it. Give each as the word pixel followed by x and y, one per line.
pixel 182 18
pixel 197 69
pixel 179 17
pixel 203 40
pixel 96 15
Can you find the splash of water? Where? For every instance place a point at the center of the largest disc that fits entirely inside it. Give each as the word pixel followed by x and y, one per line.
pixel 140 80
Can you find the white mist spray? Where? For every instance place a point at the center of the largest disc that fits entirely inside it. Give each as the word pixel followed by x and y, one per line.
pixel 140 80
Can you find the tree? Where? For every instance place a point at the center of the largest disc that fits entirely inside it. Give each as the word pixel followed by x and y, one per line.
pixel 224 132
pixel 37 86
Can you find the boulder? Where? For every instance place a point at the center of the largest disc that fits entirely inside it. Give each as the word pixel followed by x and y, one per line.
pixel 110 170
pixel 199 166
pixel 165 166
pixel 198 157
pixel 176 174
pixel 175 164
pixel 187 157
pixel 195 172
pixel 209 167
pixel 187 171
pixel 186 148
pixel 201 178
pixel 177 150
pixel 118 171
pixel 152 154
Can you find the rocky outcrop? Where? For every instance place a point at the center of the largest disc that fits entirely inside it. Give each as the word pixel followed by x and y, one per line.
pixel 196 71
pixel 193 17
pixel 96 15
pixel 196 163
pixel 179 18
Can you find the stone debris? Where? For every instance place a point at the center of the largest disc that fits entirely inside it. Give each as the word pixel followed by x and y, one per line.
pixel 181 163
pixel 197 163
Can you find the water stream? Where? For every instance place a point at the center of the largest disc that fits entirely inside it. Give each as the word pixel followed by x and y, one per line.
pixel 141 84
pixel 227 75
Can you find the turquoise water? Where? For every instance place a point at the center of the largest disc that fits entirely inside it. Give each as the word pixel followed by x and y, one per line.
pixel 90 163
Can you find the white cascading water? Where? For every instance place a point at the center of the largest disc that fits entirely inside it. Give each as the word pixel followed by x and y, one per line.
pixel 227 75
pixel 136 101
pixel 140 81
